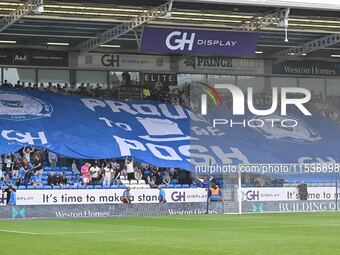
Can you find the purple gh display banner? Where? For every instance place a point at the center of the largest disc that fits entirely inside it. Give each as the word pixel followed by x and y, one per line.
pixel 198 42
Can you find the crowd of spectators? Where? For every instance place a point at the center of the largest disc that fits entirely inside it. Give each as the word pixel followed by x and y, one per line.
pixel 26 167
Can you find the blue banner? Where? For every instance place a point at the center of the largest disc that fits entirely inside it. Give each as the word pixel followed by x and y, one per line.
pixel 156 133
pixel 198 42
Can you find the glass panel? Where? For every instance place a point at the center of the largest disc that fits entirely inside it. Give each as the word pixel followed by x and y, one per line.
pixel 257 83
pixel 333 87
pixel 13 75
pixel 227 79
pixel 116 78
pixel 54 76
pixel 314 85
pixel 92 77
pixel 183 79
pixel 283 82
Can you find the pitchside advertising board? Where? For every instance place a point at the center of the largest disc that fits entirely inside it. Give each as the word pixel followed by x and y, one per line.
pixel 220 65
pixel 107 196
pixel 288 194
pixel 198 42
pixel 124 62
pixel 25 57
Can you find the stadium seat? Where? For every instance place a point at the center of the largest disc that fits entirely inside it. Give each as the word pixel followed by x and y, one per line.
pixel 193 186
pixel 64 168
pixel 122 187
pixel 106 187
pixel 90 187
pixel 185 186
pixel 178 186
pixel 40 187
pixel 81 187
pixel 98 186
pixel 21 187
pixel 171 186
pixel 30 187
pixel 65 187
pixel 57 169
pixel 48 187
pixel 56 187
pixel 73 187
pixel 47 168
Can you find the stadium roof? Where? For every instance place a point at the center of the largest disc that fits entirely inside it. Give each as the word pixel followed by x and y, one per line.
pixel 76 21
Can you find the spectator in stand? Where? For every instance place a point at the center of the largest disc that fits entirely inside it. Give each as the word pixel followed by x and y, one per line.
pixel 130 169
pixel 52 179
pixel 53 159
pixel 15 169
pixel 36 179
pixel 138 175
pixel 205 183
pixel 74 168
pixel 108 173
pixel 26 153
pixel 161 196
pixel 85 171
pixel 62 179
pixel 166 179
pixel 8 163
pixel 95 172
pixel 6 84
pixel 37 165
pixel 117 174
pixel 78 180
pixel 126 196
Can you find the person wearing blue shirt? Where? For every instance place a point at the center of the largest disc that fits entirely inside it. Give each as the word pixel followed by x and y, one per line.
pixel 12 197
pixel 126 196
pixel 36 180
pixel 161 196
pixel 205 183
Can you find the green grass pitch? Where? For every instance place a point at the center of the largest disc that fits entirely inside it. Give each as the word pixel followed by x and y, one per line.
pixel 255 234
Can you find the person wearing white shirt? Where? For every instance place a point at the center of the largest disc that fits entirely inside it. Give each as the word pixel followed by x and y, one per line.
pixel 95 173
pixel 108 172
pixel 129 169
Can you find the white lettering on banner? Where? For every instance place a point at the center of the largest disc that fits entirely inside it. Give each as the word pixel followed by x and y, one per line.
pixel 25 138
pixel 117 107
pixel 107 196
pixel 180 42
pixel 287 194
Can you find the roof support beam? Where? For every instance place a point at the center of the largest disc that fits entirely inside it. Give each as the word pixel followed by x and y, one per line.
pixel 119 30
pixel 259 22
pixel 308 47
pixel 20 12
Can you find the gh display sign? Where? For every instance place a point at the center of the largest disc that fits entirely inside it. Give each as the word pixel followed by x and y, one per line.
pixel 197 41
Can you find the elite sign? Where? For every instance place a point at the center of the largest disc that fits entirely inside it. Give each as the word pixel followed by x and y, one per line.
pixel 198 42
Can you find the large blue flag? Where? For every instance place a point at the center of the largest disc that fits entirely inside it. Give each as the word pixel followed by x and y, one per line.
pixel 155 133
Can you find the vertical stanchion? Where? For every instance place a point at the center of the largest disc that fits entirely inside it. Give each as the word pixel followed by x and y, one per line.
pixel 239 190
pixel 336 191
pixel 208 189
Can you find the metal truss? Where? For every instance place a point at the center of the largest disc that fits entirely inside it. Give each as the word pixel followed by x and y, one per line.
pixel 308 47
pixel 20 12
pixel 267 20
pixel 119 30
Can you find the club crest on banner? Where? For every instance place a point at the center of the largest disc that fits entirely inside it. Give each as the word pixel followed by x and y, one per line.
pixel 301 133
pixel 19 107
